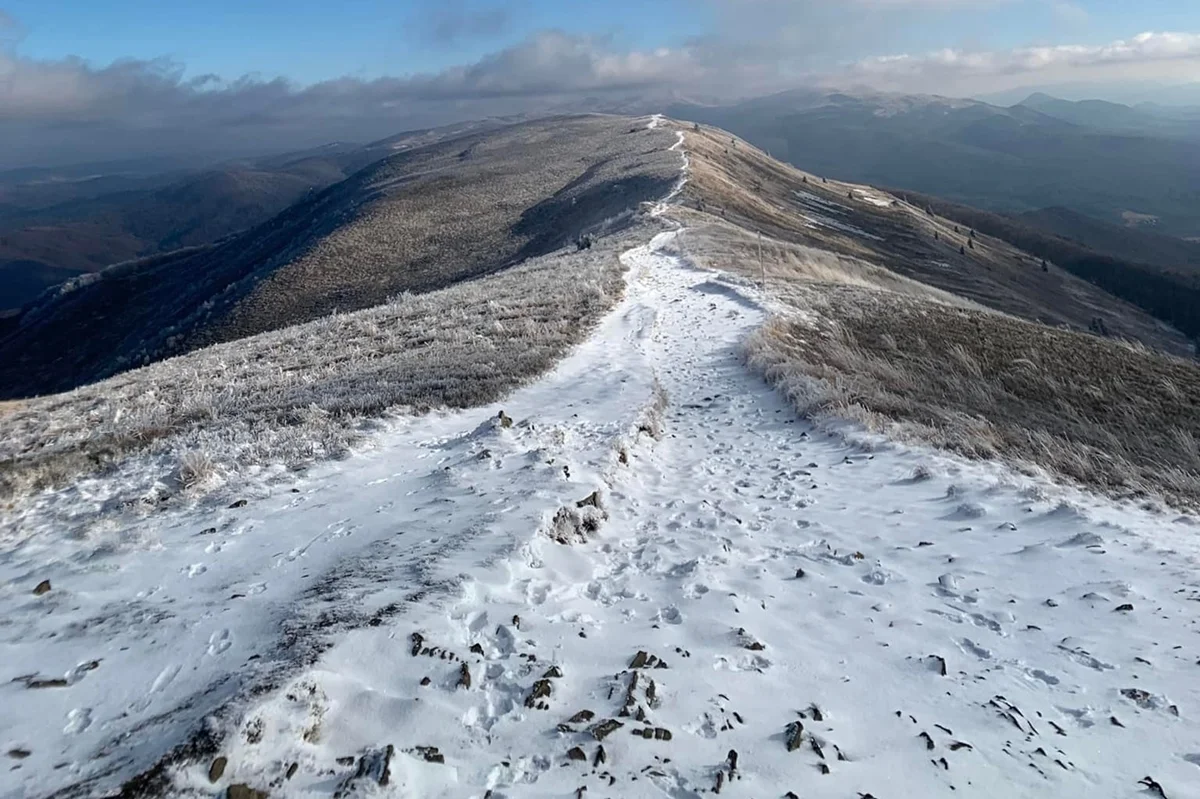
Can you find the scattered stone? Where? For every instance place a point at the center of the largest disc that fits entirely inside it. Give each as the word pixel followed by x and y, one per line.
pixel 601 756
pixel 928 740
pixel 732 759
pixel 639 660
pixel 591 500
pixel 1113 720
pixel 817 715
pixel 345 761
pixel 1127 607
pixel 575 753
pixel 241 503
pixel 541 689
pixel 19 753
pixel 464 677
pixel 429 754
pixel 941 661
pixel 244 791
pixel 209 531
pixel 516 622
pixel 477 649
pixel 217 769
pixel 554 672
pixel 1050 603
pixel 42 588
pixel 291 771
pixel 605 728
pixel 954 747
pixel 653 733
pixel 504 419
pixel 581 717
pixel 417 641
pixel 794 736
pixel 56 682
pixel 425 681
pixel 1151 785
pixel 1142 698
pixel 799 574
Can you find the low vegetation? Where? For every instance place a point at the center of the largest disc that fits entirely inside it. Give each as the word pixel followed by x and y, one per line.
pixel 420 220
pixel 860 336
pixel 291 396
pixel 1113 416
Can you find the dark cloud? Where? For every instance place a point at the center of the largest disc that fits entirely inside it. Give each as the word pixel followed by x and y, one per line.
pixel 456 20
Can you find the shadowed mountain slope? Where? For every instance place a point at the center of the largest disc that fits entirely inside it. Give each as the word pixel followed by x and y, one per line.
pixel 420 220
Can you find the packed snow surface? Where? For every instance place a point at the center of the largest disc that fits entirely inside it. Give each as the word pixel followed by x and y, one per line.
pixel 745 604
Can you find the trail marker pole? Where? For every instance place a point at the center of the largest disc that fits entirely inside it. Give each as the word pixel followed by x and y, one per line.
pixel 762 267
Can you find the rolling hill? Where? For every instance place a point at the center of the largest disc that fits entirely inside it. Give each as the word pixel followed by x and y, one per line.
pixel 1015 159
pixel 420 219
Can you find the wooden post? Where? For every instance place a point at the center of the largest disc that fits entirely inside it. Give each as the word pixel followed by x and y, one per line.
pixel 762 267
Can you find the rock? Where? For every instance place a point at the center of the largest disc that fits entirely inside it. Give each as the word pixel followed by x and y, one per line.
pixel 345 761
pixel 241 503
pixel 605 728
pixel 429 754
pixel 504 419
pixel 575 753
pixel 477 649
pixel 42 588
pixel 244 791
pixel 601 756
pixel 217 769
pixel 639 660
pixel 732 760
pixel 425 681
pixel 291 771
pixel 375 765
pixel 794 736
pixel 1123 608
pixel 541 689
pixel 464 677
pixel 591 500
pixel 209 531
pixel 554 672
pixel 56 682
pixel 581 717
pixel 19 753
pixel 928 740
pixel 417 641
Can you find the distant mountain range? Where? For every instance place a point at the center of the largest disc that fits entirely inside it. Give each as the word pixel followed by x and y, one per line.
pixel 1117 163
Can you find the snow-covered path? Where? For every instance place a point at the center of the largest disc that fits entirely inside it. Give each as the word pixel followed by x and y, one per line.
pixel 912 624
pixel 944 635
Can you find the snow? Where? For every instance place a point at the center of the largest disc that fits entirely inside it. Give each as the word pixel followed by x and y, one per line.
pixel 783 575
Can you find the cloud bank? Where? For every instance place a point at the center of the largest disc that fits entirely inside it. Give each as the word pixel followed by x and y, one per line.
pixel 68 110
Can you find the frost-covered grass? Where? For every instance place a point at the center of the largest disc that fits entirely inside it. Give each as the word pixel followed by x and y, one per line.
pixel 307 392
pixel 1112 417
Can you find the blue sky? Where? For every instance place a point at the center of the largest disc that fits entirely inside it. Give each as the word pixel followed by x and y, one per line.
pixel 95 79
pixel 311 40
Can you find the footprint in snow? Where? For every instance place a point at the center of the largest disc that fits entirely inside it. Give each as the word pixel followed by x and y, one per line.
pixel 219 642
pixel 78 720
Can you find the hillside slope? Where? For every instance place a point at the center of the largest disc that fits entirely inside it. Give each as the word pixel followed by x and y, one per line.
pixel 420 220
pixel 55 222
pixel 640 576
pixel 1003 159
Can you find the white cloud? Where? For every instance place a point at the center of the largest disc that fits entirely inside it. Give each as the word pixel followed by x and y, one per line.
pixel 1164 56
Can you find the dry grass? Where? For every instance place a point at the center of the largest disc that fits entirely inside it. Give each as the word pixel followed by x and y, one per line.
pixel 868 327
pixel 308 391
pixel 734 183
pixel 985 385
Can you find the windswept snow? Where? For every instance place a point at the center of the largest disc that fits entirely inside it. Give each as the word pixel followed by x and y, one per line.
pixel 775 609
